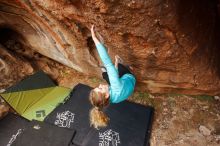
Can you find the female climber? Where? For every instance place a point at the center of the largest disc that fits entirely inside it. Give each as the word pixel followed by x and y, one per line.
pixel 121 83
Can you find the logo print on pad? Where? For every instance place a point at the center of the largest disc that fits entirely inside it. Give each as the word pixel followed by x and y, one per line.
pixel 64 119
pixel 109 138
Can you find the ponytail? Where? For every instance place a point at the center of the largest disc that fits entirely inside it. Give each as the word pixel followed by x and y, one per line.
pixel 98 118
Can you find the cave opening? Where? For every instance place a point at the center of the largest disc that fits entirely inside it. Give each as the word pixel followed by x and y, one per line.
pixel 14 65
pixel 11 39
pixel 16 43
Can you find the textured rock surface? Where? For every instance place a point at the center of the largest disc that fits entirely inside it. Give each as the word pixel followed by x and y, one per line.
pixel 12 68
pixel 204 130
pixel 172 45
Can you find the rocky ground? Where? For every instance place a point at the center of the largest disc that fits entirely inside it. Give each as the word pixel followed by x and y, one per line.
pixel 179 120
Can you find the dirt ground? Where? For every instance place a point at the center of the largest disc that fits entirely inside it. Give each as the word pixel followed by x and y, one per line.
pixel 179 120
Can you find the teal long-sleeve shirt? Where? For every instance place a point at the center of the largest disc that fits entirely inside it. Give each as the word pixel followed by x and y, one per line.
pixel 120 88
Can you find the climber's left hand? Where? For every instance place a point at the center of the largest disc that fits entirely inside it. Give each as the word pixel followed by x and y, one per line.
pixel 94 36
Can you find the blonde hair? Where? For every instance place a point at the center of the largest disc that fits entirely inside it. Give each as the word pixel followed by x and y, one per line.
pixel 4 109
pixel 97 117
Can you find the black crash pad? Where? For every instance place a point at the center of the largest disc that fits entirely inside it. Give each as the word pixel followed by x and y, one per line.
pixel 36 81
pixel 11 127
pixel 129 125
pixel 43 134
pixel 17 131
pixel 74 113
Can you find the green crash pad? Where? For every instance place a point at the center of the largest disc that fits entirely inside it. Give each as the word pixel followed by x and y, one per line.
pixel 36 104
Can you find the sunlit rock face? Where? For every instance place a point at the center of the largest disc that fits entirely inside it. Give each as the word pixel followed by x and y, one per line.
pixel 172 45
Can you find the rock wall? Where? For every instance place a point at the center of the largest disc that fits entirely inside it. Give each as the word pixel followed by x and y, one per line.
pixel 172 45
pixel 12 68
